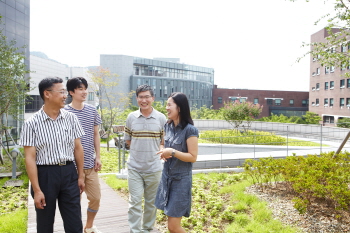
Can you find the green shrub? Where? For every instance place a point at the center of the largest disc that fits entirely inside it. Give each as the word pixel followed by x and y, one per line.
pixel 343 122
pixel 313 177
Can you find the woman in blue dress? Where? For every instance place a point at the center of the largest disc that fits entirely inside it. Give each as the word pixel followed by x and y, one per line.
pixel 179 153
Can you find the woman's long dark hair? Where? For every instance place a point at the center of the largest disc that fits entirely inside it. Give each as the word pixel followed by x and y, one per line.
pixel 181 101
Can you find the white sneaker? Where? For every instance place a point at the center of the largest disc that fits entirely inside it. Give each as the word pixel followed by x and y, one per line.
pixel 93 229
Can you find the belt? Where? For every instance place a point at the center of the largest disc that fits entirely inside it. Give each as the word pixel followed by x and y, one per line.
pixel 58 164
pixel 64 163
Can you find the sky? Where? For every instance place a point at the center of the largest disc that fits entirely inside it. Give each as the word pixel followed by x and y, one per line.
pixel 249 44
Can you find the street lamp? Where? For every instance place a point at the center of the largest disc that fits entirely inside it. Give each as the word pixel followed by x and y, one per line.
pixel 14 154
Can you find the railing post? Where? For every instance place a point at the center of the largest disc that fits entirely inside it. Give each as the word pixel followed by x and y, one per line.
pixel 119 152
pixel 221 149
pixel 254 142
pixel 321 140
pixel 287 138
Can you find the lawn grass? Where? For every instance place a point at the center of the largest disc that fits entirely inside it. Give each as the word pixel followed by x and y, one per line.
pixel 14 222
pixel 13 200
pixel 251 137
pixel 219 204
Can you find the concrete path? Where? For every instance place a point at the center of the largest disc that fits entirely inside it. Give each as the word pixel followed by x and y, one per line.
pixel 112 216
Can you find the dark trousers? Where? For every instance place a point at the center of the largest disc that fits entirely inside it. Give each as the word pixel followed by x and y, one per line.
pixel 59 183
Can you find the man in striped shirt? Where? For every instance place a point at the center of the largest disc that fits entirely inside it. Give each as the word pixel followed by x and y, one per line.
pixel 144 133
pixel 51 140
pixel 90 120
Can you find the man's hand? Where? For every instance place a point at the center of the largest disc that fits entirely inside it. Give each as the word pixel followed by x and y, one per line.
pixel 39 200
pixel 81 184
pixel 98 164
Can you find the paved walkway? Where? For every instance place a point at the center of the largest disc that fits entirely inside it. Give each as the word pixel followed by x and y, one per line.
pixel 112 216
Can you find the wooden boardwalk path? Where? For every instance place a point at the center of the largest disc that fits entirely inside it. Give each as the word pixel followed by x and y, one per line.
pixel 111 218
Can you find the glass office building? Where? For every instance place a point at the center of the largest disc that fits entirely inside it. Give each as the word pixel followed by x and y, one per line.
pixel 164 75
pixel 15 25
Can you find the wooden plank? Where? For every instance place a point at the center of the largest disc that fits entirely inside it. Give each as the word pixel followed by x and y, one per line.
pixel 112 216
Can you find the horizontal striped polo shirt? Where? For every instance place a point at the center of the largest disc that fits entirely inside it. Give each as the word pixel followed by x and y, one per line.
pixel 145 134
pixel 88 118
pixel 53 139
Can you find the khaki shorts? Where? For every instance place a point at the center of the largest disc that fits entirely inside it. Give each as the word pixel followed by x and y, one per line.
pixel 92 189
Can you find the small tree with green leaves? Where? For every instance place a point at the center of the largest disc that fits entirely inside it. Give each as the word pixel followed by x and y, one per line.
pixel 311 118
pixel 334 50
pixel 13 82
pixel 111 103
pixel 236 113
pixel 159 106
pixel 206 113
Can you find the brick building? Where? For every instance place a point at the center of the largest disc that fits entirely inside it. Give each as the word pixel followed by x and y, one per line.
pixel 329 87
pixel 288 103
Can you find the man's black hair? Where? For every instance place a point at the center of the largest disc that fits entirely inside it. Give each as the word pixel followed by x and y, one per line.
pixel 47 83
pixel 75 83
pixel 143 88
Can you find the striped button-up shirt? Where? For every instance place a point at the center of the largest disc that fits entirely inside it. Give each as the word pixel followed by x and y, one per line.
pixel 53 139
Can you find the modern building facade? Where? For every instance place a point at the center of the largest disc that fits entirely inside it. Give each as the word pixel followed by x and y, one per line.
pixel 165 75
pixel 329 87
pixel 43 67
pixel 15 25
pixel 288 103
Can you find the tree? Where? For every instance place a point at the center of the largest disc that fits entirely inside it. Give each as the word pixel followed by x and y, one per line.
pixel 14 85
pixel 236 113
pixel 311 118
pixel 331 51
pixel 111 103
pixel 206 113
pixel 161 107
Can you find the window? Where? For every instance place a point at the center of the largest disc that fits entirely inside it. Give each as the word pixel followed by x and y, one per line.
pixel 304 103
pixel 344 48
pixel 238 98
pixel 317 86
pixel 326 85
pixel 317 102
pixel 326 69
pixel 91 96
pixel 325 101
pixel 165 92
pixel 318 71
pixel 341 102
pixel 269 101
pixel 219 100
pixel 332 68
pixel 160 88
pixel 348 102
pixel 277 101
pixel 348 83
pixel 331 101
pixel 342 83
pixel 343 66
pixel 256 100
pixel 331 85
pixel 291 102
pixel 328 119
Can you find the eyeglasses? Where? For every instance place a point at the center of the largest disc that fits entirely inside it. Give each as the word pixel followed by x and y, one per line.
pixel 62 92
pixel 144 97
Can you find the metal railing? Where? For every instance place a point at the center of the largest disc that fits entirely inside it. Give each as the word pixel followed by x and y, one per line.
pixel 220 155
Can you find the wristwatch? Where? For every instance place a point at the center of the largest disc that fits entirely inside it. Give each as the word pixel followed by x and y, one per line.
pixel 173 153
